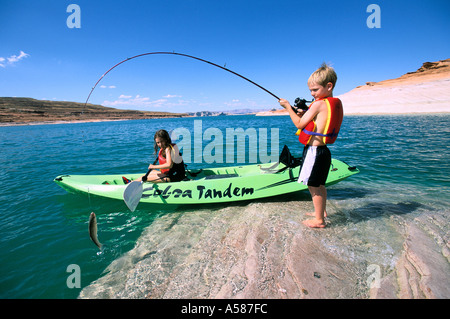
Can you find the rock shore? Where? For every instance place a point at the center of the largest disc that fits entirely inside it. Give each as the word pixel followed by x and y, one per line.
pixel 261 250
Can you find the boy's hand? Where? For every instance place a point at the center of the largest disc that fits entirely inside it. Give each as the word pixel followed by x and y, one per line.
pixel 301 112
pixel 284 103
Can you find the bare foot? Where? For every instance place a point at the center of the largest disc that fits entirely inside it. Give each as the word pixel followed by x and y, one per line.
pixel 314 214
pixel 314 223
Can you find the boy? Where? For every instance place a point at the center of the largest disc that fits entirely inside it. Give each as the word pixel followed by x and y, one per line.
pixel 318 126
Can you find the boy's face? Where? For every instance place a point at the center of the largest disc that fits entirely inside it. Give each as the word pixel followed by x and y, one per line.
pixel 319 92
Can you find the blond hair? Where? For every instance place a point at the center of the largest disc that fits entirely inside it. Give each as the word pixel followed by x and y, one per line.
pixel 323 75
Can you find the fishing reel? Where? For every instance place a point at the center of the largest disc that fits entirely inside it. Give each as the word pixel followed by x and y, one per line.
pixel 300 105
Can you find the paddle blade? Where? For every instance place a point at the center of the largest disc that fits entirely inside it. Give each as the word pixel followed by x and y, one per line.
pixel 132 194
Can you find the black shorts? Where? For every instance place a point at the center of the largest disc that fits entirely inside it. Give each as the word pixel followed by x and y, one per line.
pixel 177 173
pixel 316 165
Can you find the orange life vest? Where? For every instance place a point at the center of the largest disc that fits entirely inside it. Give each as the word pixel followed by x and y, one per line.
pixel 176 167
pixel 162 160
pixel 332 126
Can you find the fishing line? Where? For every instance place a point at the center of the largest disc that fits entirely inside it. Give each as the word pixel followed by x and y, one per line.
pixel 179 54
pixel 89 197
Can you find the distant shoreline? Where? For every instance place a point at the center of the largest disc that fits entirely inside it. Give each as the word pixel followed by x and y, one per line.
pixel 71 122
pixel 56 122
pixel 116 120
pixel 424 91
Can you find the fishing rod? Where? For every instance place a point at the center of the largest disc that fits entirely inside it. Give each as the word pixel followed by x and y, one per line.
pixel 302 104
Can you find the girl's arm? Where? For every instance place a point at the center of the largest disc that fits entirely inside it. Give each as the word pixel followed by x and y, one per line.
pixel 169 160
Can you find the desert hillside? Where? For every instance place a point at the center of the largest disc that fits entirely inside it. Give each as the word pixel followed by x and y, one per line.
pixel 425 90
pixel 17 110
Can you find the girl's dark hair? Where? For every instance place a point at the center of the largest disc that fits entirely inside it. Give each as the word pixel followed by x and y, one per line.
pixel 165 141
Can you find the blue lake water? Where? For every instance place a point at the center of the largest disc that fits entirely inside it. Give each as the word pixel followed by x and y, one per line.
pixel 403 162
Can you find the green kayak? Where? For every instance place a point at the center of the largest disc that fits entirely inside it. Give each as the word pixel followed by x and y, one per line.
pixel 209 185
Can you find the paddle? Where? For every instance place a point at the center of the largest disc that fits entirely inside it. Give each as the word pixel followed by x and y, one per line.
pixel 133 192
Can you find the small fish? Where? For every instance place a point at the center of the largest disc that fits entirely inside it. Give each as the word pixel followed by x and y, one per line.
pixel 93 230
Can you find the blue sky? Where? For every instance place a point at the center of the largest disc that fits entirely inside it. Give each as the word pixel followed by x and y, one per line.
pixel 277 44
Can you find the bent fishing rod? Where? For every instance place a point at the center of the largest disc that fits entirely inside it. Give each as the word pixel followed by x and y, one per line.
pixel 196 58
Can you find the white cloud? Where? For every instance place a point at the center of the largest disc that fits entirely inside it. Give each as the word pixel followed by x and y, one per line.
pixel 239 103
pixel 137 101
pixel 15 58
pixel 12 59
pixel 168 96
pixel 234 103
pixel 141 102
pixel 107 87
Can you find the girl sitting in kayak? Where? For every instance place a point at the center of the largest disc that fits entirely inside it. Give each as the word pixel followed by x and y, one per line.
pixel 171 165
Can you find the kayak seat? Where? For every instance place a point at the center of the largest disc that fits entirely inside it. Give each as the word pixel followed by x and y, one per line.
pixel 192 173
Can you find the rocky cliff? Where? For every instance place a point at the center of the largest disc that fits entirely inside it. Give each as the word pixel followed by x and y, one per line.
pixel 26 110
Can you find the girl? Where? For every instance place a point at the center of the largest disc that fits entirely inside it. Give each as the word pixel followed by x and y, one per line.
pixel 171 165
